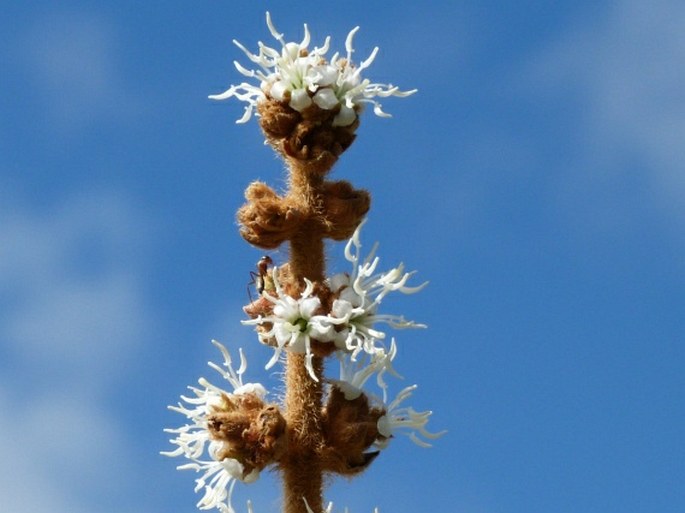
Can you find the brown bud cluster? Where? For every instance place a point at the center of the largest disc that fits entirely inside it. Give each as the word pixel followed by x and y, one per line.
pixel 345 208
pixel 252 431
pixel 349 429
pixel 268 219
pixel 305 136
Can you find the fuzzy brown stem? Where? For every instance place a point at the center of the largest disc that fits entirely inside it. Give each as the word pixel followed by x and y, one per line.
pixel 302 473
pixel 307 246
pixel 305 259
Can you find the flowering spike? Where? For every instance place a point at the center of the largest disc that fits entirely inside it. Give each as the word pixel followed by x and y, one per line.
pixel 309 107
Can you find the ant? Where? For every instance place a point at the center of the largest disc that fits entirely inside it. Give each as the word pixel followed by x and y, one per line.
pixel 259 279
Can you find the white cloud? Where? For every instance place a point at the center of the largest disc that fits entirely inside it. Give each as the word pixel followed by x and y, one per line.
pixel 72 61
pixel 627 71
pixel 74 304
pixel 25 486
pixel 78 330
pixel 73 315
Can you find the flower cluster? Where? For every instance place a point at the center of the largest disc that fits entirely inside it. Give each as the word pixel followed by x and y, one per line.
pixel 359 295
pixel 353 376
pixel 293 324
pixel 232 436
pixel 349 330
pixel 300 78
pixel 220 472
pixel 350 325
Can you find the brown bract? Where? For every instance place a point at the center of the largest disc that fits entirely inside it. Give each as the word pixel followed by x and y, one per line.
pixel 305 136
pixel 268 219
pixel 350 429
pixel 252 431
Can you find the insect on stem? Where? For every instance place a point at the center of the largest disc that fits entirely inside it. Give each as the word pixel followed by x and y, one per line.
pixel 260 278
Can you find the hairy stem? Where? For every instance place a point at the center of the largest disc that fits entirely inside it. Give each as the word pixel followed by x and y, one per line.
pixel 302 474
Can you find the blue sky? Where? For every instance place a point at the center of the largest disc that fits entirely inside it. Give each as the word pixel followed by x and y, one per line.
pixel 536 180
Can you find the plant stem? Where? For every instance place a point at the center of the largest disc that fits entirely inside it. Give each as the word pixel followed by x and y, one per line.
pixel 302 475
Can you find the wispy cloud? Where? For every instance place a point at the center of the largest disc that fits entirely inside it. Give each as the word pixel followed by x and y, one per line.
pixel 74 70
pixel 626 73
pixel 73 314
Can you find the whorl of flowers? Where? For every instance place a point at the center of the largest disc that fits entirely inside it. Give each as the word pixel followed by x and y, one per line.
pixel 302 77
pixel 232 436
pixel 295 324
pixel 200 442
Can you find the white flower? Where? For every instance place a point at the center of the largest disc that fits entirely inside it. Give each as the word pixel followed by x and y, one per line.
pixel 359 295
pixel 398 419
pixel 301 77
pixel 219 476
pixel 354 373
pixel 294 323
